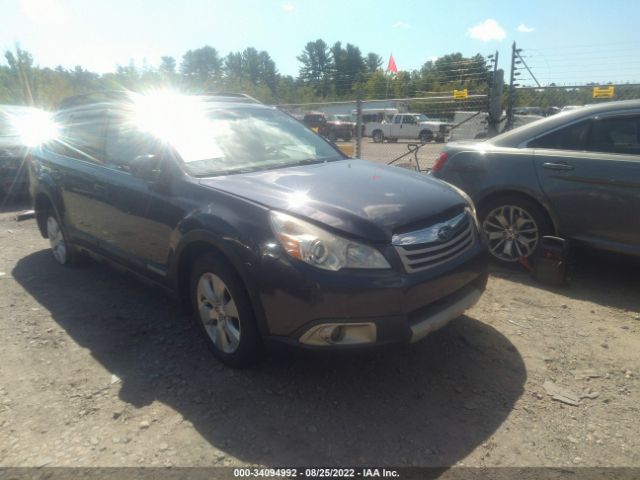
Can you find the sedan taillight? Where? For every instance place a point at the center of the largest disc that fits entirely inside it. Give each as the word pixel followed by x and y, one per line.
pixel 442 159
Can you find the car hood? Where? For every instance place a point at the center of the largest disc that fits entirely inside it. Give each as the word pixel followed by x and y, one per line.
pixel 360 198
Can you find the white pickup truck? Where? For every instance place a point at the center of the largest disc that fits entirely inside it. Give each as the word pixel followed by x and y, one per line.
pixel 413 126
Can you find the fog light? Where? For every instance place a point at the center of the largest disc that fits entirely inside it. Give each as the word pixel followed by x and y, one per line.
pixel 331 333
pixel 340 334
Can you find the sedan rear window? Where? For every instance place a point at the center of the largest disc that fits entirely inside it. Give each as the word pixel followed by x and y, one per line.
pixel 572 137
pixel 615 135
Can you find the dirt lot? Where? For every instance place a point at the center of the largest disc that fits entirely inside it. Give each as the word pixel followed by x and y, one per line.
pixel 98 369
pixel 386 152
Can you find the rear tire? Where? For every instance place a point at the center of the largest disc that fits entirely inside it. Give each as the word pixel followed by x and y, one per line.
pixel 514 227
pixel 223 312
pixel 333 136
pixel 63 252
pixel 378 136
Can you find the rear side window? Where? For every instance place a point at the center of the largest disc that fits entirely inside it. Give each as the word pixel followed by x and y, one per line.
pixel 573 137
pixel 615 135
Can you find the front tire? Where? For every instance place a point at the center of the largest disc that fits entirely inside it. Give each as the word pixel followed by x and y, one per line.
pixel 378 136
pixel 514 227
pixel 223 312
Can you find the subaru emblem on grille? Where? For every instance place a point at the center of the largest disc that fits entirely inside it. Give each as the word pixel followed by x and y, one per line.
pixel 445 232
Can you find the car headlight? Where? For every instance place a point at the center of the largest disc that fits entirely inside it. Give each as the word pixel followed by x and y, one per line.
pixel 323 249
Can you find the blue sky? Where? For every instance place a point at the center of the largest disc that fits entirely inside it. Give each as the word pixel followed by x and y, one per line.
pixel 564 41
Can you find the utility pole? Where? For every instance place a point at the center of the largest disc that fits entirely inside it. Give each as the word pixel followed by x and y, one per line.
pixel 358 127
pixel 512 87
pixel 495 103
pixel 495 97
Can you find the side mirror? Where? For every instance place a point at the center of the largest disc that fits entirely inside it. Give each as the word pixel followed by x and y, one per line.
pixel 146 167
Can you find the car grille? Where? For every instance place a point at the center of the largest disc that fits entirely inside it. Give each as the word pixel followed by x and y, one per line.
pixel 437 244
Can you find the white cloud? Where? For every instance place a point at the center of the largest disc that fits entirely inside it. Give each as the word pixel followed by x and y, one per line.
pixel 434 58
pixel 487 31
pixel 524 29
pixel 402 25
pixel 288 7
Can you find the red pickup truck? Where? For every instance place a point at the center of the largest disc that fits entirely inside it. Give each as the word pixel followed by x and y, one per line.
pixel 329 126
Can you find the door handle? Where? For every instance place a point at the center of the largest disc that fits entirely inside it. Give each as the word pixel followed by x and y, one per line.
pixel 557 166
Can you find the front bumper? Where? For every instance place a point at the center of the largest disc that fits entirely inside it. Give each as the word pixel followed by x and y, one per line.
pixel 401 307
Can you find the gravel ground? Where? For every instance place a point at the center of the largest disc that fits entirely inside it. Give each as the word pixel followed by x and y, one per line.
pixel 386 152
pixel 97 369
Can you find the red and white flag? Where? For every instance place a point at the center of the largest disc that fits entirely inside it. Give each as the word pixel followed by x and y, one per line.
pixel 392 68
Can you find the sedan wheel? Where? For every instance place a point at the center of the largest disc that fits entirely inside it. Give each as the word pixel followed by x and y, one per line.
pixel 512 232
pixel 218 313
pixel 56 241
pixel 223 311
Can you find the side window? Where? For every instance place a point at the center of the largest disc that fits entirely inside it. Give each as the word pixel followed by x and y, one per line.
pixel 397 119
pixel 408 119
pixel 124 144
pixel 615 135
pixel 572 137
pixel 84 136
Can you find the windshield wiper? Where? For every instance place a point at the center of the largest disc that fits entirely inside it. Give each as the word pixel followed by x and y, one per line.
pixel 311 161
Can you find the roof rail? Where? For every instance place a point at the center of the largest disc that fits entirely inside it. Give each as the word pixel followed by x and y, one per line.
pixel 92 97
pixel 231 97
pixel 107 95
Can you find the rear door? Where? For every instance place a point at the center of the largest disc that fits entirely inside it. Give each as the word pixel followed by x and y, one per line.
pixel 78 169
pixel 590 171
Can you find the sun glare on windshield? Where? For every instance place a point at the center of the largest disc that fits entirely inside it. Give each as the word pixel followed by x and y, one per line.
pixel 166 113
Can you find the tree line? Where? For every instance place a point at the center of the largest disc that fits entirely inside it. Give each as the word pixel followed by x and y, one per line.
pixel 336 72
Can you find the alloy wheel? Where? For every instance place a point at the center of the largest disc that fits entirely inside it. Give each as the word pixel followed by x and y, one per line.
pixel 512 232
pixel 218 313
pixel 56 240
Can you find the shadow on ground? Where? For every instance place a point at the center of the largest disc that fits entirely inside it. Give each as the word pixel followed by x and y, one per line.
pixel 427 404
pixel 605 278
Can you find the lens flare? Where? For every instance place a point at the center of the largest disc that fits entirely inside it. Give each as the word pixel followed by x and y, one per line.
pixel 32 126
pixel 179 120
pixel 164 113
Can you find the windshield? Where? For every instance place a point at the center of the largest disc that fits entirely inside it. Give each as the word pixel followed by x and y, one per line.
pixel 421 118
pixel 238 140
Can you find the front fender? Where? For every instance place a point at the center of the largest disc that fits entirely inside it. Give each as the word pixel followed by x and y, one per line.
pixel 204 232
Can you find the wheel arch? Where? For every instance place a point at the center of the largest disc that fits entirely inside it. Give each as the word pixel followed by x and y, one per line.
pixel 198 243
pixel 42 204
pixel 530 196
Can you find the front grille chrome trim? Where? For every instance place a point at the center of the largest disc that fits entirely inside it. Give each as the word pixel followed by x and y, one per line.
pixel 435 252
pixel 426 235
pixel 453 241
